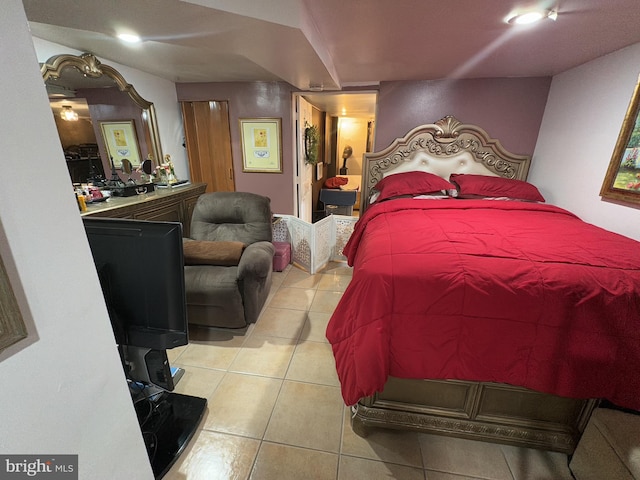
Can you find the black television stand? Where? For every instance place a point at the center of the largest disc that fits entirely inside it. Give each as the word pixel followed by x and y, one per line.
pixel 168 421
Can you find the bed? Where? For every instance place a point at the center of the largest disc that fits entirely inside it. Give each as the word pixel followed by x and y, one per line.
pixel 489 317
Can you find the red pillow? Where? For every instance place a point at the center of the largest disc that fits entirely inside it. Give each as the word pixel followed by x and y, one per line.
pixel 335 182
pixel 410 183
pixel 487 186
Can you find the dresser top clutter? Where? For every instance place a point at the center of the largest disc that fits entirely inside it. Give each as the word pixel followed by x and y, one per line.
pixel 173 204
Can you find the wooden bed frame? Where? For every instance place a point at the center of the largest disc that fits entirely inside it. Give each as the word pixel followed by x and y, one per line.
pixel 481 411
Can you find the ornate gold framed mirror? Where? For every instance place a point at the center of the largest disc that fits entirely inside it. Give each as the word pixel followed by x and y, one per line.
pixel 100 93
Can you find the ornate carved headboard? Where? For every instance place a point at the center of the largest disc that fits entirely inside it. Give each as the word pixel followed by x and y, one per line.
pixel 444 147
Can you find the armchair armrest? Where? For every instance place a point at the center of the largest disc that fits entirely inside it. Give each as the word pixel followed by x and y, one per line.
pixel 256 260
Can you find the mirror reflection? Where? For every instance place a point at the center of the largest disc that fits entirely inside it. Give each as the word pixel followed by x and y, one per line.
pixel 84 94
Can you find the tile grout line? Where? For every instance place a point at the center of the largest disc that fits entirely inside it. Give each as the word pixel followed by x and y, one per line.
pixel 262 439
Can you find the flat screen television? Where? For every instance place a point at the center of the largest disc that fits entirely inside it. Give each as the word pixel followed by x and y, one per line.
pixel 141 269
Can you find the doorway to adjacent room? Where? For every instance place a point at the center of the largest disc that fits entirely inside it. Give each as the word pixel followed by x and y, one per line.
pixel 346 123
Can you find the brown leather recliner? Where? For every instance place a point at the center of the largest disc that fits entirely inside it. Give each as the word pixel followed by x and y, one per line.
pixel 231 296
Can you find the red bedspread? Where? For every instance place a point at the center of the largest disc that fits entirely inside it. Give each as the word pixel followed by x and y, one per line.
pixel 512 292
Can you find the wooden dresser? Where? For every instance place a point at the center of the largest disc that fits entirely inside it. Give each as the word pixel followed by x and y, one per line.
pixel 165 204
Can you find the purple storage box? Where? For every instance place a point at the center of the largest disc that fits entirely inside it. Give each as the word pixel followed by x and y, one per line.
pixel 282 258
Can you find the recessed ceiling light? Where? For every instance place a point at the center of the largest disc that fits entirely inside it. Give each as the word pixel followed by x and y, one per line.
pixel 129 37
pixel 530 16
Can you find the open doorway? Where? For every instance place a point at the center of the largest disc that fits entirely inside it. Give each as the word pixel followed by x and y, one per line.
pixel 346 122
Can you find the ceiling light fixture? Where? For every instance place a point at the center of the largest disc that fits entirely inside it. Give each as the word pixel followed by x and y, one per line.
pixel 129 37
pixel 69 114
pixel 531 16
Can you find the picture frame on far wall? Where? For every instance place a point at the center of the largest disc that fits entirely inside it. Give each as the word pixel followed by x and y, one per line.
pixel 12 326
pixel 261 145
pixel 622 181
pixel 121 141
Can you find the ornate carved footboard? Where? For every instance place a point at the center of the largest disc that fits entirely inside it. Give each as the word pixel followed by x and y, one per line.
pixel 479 411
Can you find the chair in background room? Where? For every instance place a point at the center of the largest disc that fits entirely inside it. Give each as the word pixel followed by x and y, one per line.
pixel 228 259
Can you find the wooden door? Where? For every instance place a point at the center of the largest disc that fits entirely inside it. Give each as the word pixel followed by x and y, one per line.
pixel 306 172
pixel 208 141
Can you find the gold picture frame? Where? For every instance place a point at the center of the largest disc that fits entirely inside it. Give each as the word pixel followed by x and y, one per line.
pixel 261 145
pixel 622 181
pixel 12 327
pixel 121 142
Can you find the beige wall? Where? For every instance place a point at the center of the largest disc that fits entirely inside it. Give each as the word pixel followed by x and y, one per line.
pixel 352 132
pixel 579 130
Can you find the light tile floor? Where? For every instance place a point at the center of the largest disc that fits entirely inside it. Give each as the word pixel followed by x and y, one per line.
pixel 275 410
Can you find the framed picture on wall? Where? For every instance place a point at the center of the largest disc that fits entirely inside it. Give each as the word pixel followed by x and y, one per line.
pixel 121 142
pixel 12 327
pixel 261 145
pixel 622 181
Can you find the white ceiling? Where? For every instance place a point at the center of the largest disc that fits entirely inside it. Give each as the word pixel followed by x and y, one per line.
pixel 333 44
